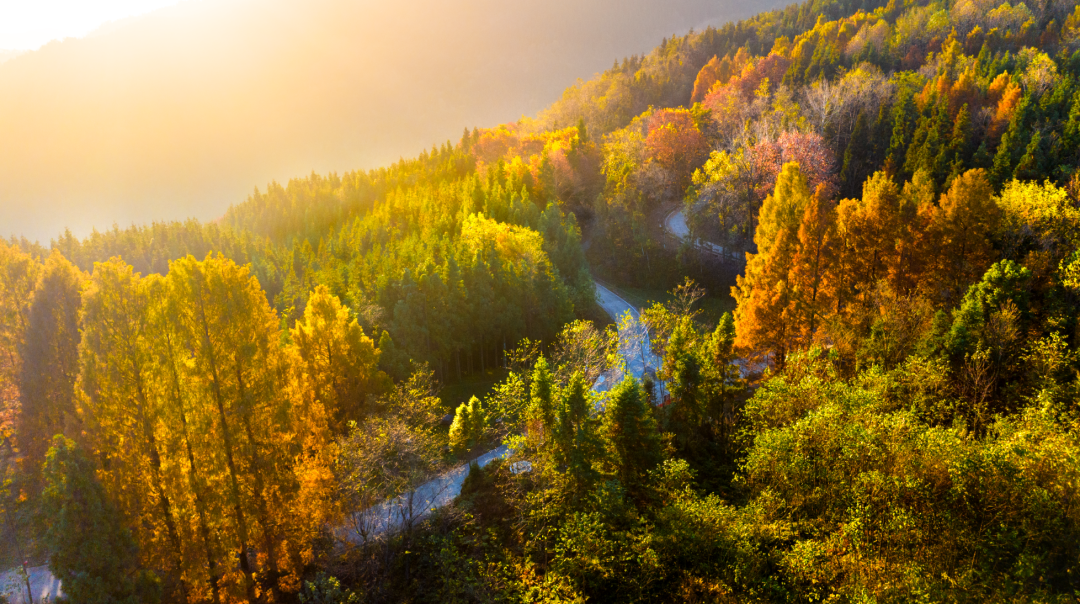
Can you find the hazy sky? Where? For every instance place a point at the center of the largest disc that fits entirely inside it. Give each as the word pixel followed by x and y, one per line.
pixel 28 24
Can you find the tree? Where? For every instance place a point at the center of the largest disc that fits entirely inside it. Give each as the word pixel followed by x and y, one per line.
pixel 541 422
pixel 813 263
pixel 764 317
pixel 630 435
pixel 873 231
pixel 338 363
pixel 242 411
pixel 468 427
pixel 856 156
pixel 50 361
pixel 123 407
pixel 961 225
pixel 92 553
pixel 682 372
pixel 18 276
pixel 577 444
pixel 676 143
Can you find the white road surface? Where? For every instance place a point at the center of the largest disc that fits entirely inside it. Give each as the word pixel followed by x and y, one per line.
pixel 441 491
pixel 675 223
pixel 45 587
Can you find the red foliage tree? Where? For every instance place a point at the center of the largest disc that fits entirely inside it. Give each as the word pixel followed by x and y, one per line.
pixel 677 145
pixel 815 159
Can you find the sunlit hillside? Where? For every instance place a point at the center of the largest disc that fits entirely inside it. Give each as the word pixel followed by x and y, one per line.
pixel 185 110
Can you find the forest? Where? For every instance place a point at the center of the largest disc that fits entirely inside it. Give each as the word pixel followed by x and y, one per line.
pixel 247 410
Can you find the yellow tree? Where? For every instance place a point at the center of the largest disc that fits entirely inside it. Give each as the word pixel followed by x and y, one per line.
pixel 338 364
pixel 122 410
pixel 18 275
pixel 335 371
pixel 814 259
pixel 870 229
pixel 961 225
pixel 765 318
pixel 49 361
pixel 201 521
pixel 242 419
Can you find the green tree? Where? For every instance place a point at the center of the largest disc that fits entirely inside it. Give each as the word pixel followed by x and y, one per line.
pixel 630 435
pixel 541 422
pixel 93 555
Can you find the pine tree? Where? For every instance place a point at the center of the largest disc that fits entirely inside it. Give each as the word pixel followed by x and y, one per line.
pixel 461 430
pixel 856 155
pixel 630 434
pixel 578 446
pixel 541 406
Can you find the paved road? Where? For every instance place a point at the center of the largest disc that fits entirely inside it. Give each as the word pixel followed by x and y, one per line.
pixel 43 584
pixel 441 491
pixel 675 223
pixel 633 337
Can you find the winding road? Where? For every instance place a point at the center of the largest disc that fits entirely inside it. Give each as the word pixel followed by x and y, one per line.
pixel 442 490
pixel 675 223
pixel 636 352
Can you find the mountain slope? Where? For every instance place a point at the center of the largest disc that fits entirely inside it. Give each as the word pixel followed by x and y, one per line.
pixel 180 112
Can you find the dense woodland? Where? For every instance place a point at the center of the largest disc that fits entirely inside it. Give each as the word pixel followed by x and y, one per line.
pixel 211 412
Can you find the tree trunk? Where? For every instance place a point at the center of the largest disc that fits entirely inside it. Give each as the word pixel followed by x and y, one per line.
pixel 159 488
pixel 234 482
pixel 193 480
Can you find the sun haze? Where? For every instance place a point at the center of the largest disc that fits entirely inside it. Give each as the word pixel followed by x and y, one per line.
pixel 29 24
pixel 183 111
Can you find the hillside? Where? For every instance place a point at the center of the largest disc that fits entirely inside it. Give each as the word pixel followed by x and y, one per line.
pixel 258 409
pixel 183 111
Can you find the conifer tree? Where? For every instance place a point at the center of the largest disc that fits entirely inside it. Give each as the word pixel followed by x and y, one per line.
pixel 630 434
pixel 961 225
pixel 91 552
pixel 814 260
pixel 49 360
pixel 541 423
pixel 764 319
pixel 856 155
pixel 338 363
pixel 123 404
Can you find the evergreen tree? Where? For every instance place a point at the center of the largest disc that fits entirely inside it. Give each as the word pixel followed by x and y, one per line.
pixel 856 155
pixel 541 412
pixel 91 552
pixel 630 435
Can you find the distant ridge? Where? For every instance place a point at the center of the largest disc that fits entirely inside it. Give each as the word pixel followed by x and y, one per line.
pixel 185 110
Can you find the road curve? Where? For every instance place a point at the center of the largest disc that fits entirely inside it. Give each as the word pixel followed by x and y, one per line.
pixel 675 223
pixel 442 490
